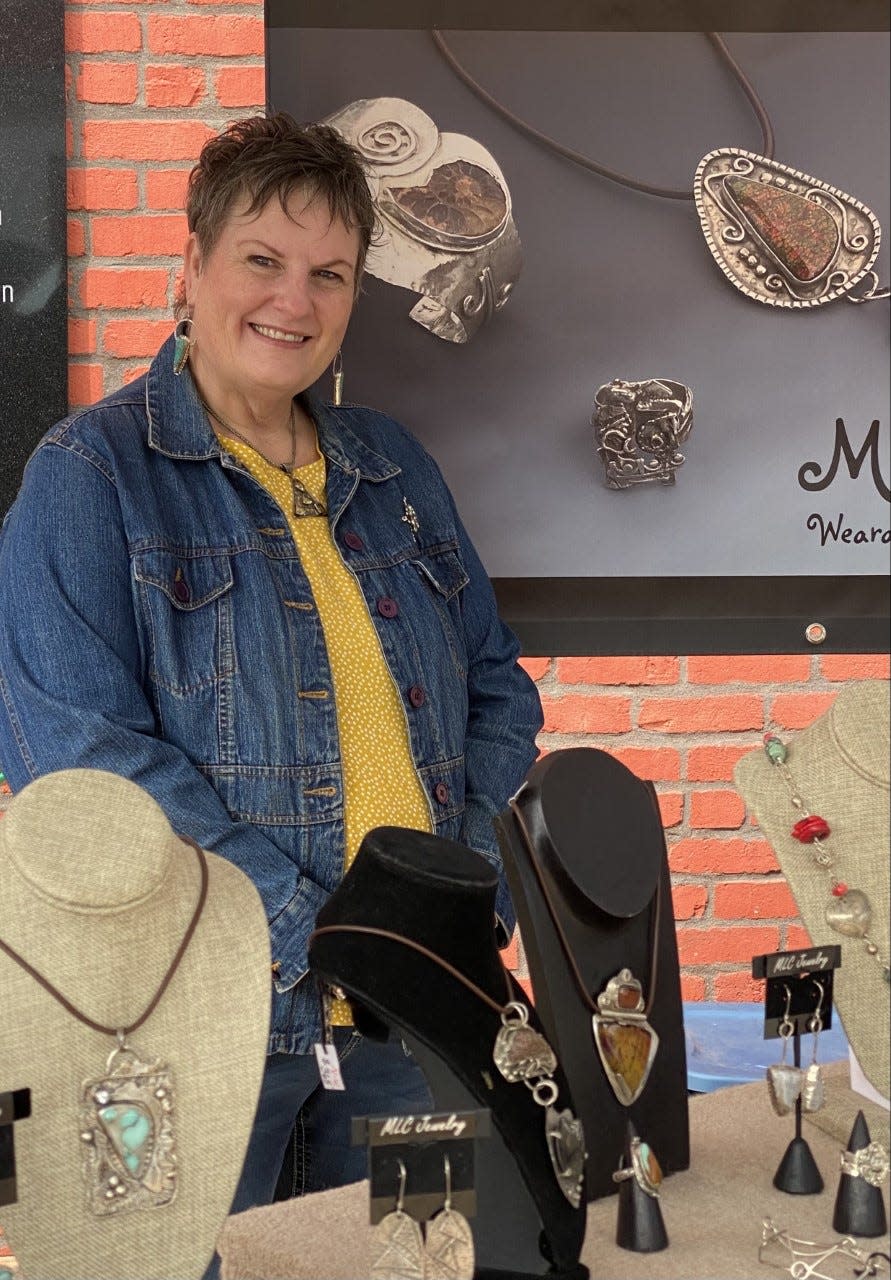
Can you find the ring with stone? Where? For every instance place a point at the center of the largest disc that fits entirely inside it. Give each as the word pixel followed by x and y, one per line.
pixel 644 1168
pixel 869 1163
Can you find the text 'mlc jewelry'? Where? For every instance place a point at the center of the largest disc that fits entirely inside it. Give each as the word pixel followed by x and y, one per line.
pixel 638 427
pixel 625 1041
pixel 447 227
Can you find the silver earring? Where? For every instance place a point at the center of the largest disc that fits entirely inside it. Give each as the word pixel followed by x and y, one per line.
pixel 813 1091
pixel 397 1246
pixel 784 1081
pixel 337 372
pixel 182 344
pixel 449 1250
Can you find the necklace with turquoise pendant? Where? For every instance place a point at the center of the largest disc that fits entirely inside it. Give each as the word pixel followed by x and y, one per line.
pixel 127 1113
pixel 780 236
pixel 848 910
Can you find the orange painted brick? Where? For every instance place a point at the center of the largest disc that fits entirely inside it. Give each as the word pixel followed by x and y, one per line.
pixel 219 37
pixel 535 668
pixel 510 954
pixel 102 33
pixel 134 337
pixel 166 188
pixel 656 764
pixel 855 666
pixel 748 668
pixel 798 710
pixel 139 236
pixel 754 900
pixel 222 2
pixel 69 139
pixel 81 337
pixel 136 371
pixel 722 810
pixel 171 86
pixel 739 986
pixel 692 987
pixel 796 938
pixel 240 86
pixel 102 188
pixel 714 764
pixel 701 715
pixel 84 384
pixel 576 713
pixel 111 287
pixel 671 808
pixel 77 238
pixel 107 82
pixel 689 901
pixel 708 945
pixel 721 856
pixel 638 670
pixel 144 139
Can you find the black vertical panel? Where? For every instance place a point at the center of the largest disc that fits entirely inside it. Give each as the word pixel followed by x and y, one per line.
pixel 33 303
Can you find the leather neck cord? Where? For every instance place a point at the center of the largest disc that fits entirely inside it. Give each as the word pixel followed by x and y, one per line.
pixel 165 981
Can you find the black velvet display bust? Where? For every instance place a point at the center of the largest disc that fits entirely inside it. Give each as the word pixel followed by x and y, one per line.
pixel 441 895
pixel 583 843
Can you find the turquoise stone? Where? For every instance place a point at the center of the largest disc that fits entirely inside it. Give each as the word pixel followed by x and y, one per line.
pixel 129 1129
pixel 776 750
pixel 6 1275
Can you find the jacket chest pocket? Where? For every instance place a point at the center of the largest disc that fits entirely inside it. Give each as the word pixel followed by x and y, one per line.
pixel 444 576
pixel 187 605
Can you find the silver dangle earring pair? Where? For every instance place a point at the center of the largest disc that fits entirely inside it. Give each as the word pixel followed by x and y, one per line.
pixel 182 344
pixel 399 1250
pixel 786 1082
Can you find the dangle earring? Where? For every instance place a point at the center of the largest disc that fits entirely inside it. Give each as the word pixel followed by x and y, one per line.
pixel 784 1081
pixel 397 1246
pixel 182 344
pixel 450 1253
pixel 337 372
pixel 813 1090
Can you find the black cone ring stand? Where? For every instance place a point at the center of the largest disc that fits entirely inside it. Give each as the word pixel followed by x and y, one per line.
pixel 797 1000
pixel 409 935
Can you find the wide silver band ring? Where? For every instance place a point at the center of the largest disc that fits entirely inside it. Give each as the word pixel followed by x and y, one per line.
pixel 869 1163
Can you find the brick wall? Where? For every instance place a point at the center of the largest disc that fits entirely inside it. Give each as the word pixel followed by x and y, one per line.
pixel 147 82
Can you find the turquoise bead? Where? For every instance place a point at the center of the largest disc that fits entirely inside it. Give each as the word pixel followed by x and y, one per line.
pixel 776 750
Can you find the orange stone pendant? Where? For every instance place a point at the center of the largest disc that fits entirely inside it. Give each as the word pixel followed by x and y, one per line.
pixel 625 1041
pixel 782 237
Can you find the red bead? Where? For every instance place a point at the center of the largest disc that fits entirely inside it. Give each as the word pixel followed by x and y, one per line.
pixel 807 830
pixel 839 890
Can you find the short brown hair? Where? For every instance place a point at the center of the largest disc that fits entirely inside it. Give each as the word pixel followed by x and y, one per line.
pixel 265 156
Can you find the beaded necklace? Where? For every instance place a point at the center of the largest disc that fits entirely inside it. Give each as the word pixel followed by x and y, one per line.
pixel 848 911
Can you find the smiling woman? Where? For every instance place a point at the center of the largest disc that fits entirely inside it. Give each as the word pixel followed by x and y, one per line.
pixel 268 613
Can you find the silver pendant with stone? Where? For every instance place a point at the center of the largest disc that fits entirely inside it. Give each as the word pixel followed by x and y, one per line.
pixel 566 1147
pixel 520 1052
pixel 127 1134
pixel 850 914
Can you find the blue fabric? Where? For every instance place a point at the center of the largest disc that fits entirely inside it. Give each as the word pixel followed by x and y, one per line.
pixel 157 622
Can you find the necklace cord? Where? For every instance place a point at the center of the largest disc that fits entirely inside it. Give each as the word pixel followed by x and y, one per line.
pixel 421 950
pixel 576 157
pixel 591 1004
pixel 165 981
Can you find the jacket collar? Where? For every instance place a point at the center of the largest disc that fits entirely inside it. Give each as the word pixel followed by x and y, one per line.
pixel 178 426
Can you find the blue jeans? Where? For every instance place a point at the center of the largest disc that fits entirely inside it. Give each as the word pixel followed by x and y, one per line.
pixel 380 1079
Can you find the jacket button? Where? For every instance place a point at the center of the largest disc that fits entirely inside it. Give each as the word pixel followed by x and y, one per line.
pixel 387 608
pixel 416 696
pixel 353 541
pixel 181 589
pixel 441 792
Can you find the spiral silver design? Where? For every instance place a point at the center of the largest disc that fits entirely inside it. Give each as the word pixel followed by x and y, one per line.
pixel 388 142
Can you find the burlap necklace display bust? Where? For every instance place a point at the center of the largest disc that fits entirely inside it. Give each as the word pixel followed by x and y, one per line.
pixel 841 768
pixel 97 893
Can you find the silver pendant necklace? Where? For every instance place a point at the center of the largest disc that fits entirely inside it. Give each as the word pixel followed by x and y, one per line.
pixel 780 236
pixel 127 1113
pixel 304 504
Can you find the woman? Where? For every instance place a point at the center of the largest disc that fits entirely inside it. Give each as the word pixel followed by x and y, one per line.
pixel 264 608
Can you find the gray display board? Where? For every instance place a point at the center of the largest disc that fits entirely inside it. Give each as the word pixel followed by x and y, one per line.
pixel 33 302
pixel 780 513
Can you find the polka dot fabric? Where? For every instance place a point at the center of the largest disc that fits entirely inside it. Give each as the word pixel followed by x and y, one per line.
pixel 380 783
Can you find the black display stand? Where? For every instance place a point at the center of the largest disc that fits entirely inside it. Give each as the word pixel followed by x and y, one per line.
pixel 859 1206
pixel 792 996
pixel 583 842
pixel 639 1225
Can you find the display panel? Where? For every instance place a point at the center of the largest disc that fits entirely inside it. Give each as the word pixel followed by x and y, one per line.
pixel 511 285
pixel 33 316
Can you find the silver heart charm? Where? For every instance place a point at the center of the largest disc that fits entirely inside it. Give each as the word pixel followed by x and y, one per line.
pixel 784 1084
pixel 850 914
pixel 813 1091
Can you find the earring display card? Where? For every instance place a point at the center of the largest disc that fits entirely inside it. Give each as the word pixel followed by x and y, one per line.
pixel 419 1144
pixel 799 972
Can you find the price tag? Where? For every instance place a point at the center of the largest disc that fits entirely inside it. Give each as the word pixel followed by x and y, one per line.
pixel 329 1066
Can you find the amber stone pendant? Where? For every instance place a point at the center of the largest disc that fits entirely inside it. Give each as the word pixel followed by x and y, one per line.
pixel 625 1041
pixel 782 237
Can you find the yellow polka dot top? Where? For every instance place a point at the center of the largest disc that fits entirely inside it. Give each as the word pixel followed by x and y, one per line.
pixel 381 786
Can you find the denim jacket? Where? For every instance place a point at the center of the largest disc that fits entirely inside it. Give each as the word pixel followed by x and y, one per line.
pixel 157 622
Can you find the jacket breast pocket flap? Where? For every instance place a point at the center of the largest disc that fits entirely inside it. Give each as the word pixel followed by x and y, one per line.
pixel 443 569
pixel 189 582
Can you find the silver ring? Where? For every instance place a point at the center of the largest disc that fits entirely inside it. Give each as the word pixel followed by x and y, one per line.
pixel 644 1169
pixel 638 427
pixel 869 1163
